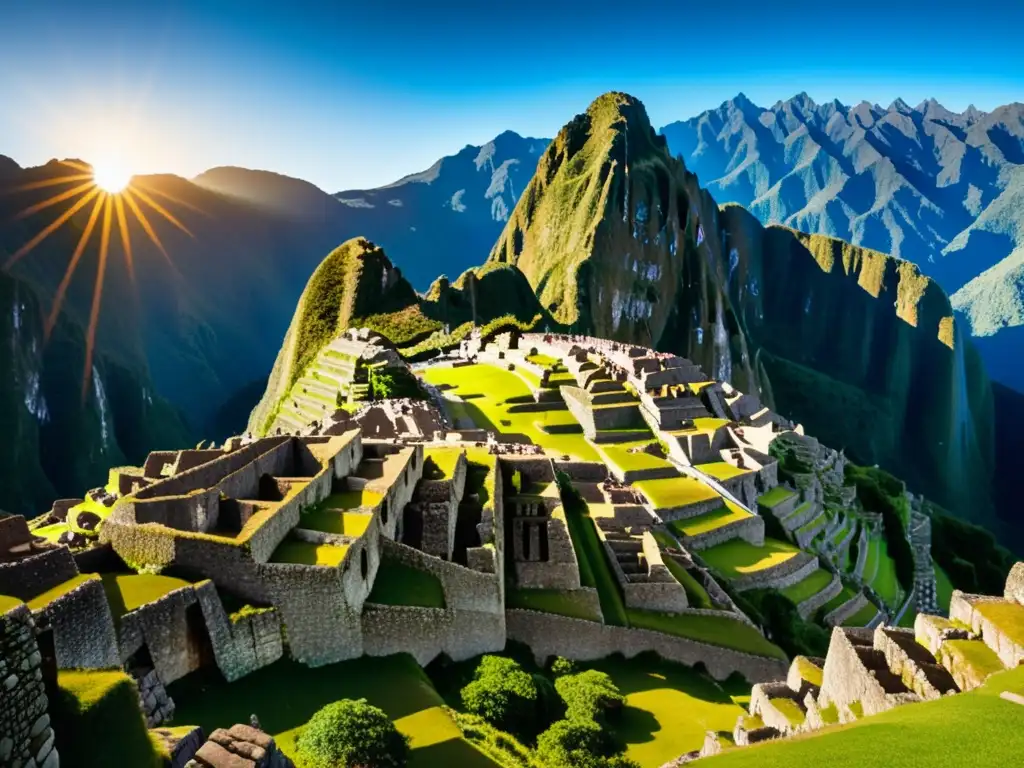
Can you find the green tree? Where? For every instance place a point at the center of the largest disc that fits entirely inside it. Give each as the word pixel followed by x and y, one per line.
pixel 352 734
pixel 503 694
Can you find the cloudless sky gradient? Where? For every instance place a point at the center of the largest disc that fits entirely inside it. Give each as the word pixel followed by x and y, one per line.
pixel 354 95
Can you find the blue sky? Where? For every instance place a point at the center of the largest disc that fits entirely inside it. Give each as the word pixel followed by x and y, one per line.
pixel 358 95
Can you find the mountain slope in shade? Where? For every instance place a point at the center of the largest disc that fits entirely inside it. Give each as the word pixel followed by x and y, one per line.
pixel 618 239
pixel 58 441
pixel 921 183
pixel 447 218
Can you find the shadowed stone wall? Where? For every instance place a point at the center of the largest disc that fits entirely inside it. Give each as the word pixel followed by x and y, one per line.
pixel 551 635
pixel 26 737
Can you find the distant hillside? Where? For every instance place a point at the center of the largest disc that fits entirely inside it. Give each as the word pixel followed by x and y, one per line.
pixel 447 218
pixel 923 183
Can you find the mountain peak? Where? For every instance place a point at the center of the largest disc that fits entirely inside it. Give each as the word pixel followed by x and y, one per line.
pixel 899 105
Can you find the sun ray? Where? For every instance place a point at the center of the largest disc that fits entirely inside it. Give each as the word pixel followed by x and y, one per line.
pixel 146 226
pixel 136 183
pixel 162 211
pixel 51 201
pixel 126 240
pixel 97 295
pixel 49 182
pixel 58 299
pixel 77 165
pixel 53 227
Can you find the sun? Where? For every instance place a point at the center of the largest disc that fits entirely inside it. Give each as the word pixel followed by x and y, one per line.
pixel 111 177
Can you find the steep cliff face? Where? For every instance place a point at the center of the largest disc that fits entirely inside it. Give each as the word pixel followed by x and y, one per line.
pixel 618 239
pixel 57 442
pixel 609 233
pixel 864 350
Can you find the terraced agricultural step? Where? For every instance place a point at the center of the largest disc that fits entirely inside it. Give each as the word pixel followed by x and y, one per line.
pixel 603 398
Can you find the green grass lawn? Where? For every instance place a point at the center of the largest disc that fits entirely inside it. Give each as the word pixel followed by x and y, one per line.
pixel 595 570
pixel 885 582
pixel 809 587
pixel 668 708
pixel 738 557
pixel 707 424
pixel 548 601
pixel 721 470
pixel 47 597
pixel 619 455
pixel 905 737
pixel 439 462
pixel 943 587
pixel 872 559
pixel 286 694
pixel 1008 617
pixel 303 553
pixel 126 592
pixel 97 721
pixel 862 616
pixel 674 492
pixel 715 630
pixel 490 409
pixel 400 584
pixel 845 594
pixel 775 496
pixel 329 520
pixel 710 521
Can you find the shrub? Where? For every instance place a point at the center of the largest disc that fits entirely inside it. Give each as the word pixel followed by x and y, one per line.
pixel 561 666
pixel 550 705
pixel 504 695
pixel 578 744
pixel 589 695
pixel 352 733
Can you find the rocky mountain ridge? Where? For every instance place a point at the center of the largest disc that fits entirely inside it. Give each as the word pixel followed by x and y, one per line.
pixel 923 183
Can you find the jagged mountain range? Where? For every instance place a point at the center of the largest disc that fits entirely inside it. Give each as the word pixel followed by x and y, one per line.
pixel 936 187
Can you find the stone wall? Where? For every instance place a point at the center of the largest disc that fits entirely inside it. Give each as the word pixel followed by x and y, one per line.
pixel 428 632
pixel 464 588
pixel 840 614
pixel 1000 639
pixel 912 663
pixel 794 570
pixel 244 645
pixel 31 576
pixel 321 626
pixel 669 514
pixel 761 695
pixel 750 529
pixel 1015 584
pixel 551 635
pixel 814 602
pixel 174 635
pixel 855 672
pixel 83 628
pixel 26 738
pixel 582 471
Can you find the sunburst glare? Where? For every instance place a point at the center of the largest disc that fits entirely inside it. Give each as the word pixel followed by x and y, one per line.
pixel 109 192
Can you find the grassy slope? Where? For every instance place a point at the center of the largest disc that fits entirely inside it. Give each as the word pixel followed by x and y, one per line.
pixel 126 592
pixel 400 584
pixel 489 389
pixel 987 734
pixel 286 694
pixel 90 708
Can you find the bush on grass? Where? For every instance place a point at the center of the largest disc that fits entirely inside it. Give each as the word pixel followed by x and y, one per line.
pixel 579 744
pixel 590 695
pixel 504 695
pixel 352 733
